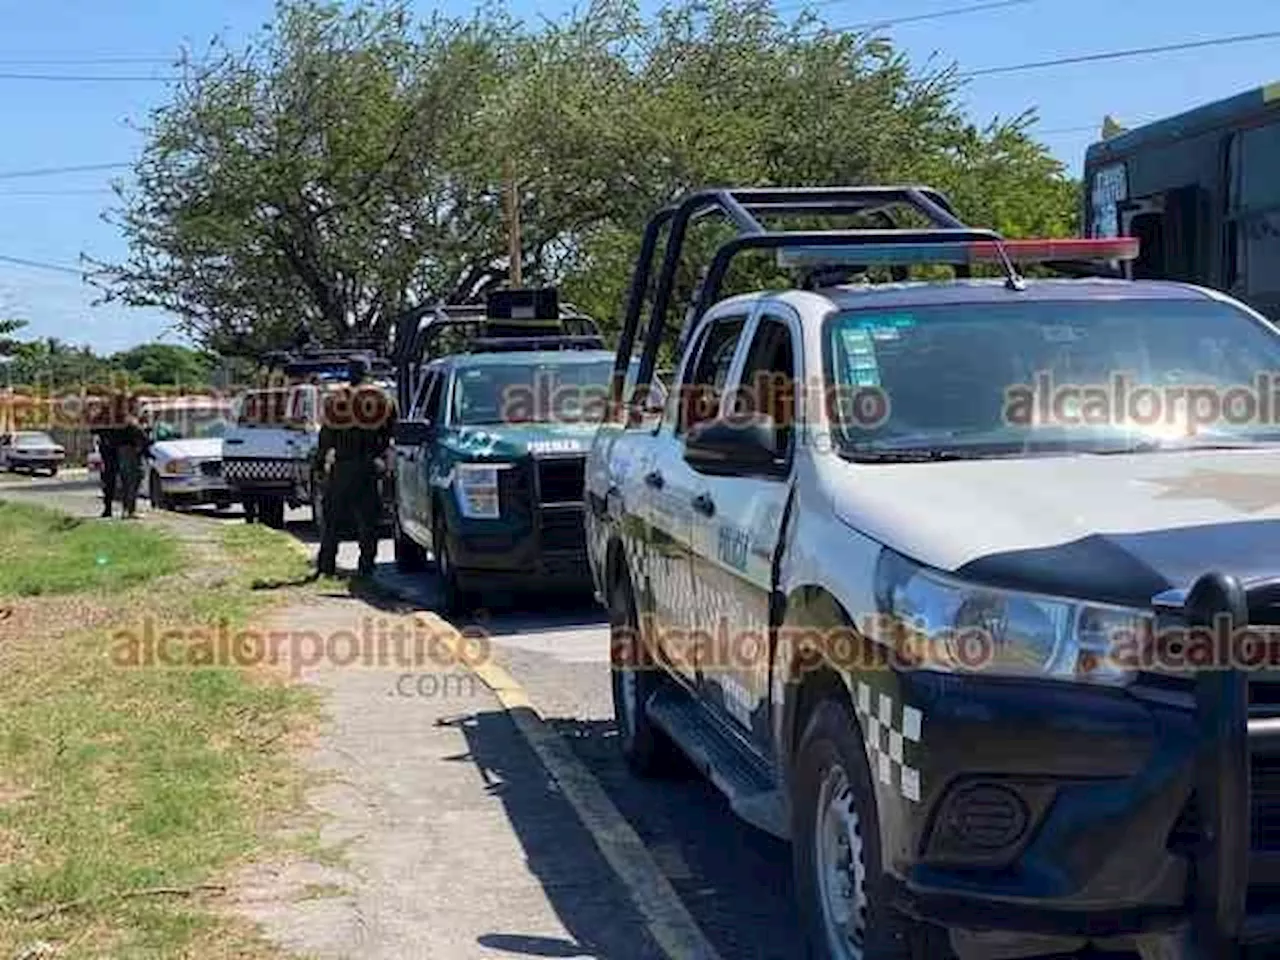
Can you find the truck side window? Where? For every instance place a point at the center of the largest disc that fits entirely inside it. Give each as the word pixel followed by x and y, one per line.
pixel 705 377
pixel 428 399
pixel 767 385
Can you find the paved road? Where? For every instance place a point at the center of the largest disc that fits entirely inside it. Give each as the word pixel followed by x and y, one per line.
pixel 733 880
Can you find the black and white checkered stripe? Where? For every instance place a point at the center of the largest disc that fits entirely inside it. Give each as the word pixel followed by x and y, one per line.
pixel 888 727
pixel 251 469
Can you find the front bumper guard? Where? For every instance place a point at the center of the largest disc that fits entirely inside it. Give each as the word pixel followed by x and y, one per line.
pixel 1226 917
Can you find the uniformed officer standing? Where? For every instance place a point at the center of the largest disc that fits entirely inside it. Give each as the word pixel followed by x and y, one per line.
pixel 107 423
pixel 132 446
pixel 109 451
pixel 355 438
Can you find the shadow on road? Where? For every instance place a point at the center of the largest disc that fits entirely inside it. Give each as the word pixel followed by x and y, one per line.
pixel 591 903
pixel 734 880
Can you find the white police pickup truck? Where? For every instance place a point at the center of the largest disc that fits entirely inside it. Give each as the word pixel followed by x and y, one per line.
pixel 895 565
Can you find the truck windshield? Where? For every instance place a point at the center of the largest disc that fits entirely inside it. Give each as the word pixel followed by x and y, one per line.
pixel 1094 376
pixel 275 407
pixel 189 423
pixel 523 392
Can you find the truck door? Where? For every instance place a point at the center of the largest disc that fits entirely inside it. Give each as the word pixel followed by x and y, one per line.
pixel 736 543
pixel 672 489
pixel 412 462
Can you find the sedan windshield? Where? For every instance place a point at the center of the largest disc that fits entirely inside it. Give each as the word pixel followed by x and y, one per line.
pixel 544 392
pixel 995 379
pixel 33 439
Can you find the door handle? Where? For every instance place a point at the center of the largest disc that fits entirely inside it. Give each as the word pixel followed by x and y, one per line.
pixel 655 479
pixel 704 504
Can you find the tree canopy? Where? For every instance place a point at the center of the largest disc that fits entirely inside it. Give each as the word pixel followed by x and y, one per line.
pixel 352 162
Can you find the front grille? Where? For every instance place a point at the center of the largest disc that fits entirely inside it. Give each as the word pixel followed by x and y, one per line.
pixel 260 470
pixel 561 479
pixel 1264 773
pixel 211 468
pixel 563 531
pixel 1264 813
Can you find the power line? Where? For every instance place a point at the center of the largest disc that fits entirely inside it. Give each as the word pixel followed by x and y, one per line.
pixel 1122 54
pixel 86 78
pixel 54 193
pixel 82 61
pixel 40 265
pixel 51 171
pixel 936 15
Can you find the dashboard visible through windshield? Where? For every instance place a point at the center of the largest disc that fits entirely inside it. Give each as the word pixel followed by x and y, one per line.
pixel 1035 377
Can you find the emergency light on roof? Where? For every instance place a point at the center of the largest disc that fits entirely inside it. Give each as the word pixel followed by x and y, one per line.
pixel 961 253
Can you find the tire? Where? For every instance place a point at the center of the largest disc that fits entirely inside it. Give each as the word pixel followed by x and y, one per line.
pixel 410 557
pixel 834 817
pixel 647 750
pixel 155 493
pixel 453 599
pixel 53 472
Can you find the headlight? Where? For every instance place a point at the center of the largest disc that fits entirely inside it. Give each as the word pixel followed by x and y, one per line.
pixel 178 467
pixel 941 623
pixel 476 487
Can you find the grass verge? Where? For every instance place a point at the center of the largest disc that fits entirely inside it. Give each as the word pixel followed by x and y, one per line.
pixel 48 552
pixel 127 791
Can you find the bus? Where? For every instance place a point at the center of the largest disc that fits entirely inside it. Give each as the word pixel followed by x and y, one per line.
pixel 1201 190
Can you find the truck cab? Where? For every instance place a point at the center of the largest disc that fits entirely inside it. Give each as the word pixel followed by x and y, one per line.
pixel 269 451
pixel 890 573
pixel 491 447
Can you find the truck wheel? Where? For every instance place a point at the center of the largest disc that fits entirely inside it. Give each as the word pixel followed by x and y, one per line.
pixel 453 599
pixel 410 557
pixel 835 851
pixel 647 749
pixel 155 493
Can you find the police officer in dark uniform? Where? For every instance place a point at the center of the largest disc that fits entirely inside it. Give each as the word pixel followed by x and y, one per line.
pixel 107 423
pixel 353 450
pixel 109 451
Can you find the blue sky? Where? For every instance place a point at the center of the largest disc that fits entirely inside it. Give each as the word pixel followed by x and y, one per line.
pixel 54 124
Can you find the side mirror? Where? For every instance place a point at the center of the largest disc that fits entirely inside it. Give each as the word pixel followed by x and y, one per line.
pixel 740 445
pixel 414 433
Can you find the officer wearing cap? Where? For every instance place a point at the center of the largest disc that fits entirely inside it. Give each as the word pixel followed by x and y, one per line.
pixel 353 450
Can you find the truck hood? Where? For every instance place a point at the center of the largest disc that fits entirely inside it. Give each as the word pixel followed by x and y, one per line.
pixel 513 441
pixel 1115 529
pixel 202 449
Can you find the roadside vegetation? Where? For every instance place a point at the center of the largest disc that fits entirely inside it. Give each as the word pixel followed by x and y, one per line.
pixel 47 552
pixel 129 792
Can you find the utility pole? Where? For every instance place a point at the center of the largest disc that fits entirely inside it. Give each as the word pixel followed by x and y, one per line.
pixel 515 278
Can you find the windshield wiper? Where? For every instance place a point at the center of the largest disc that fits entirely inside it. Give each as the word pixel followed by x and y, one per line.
pixel 914 455
pixel 1165 446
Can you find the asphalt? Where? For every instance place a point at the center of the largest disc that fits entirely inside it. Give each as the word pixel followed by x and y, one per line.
pixel 464 842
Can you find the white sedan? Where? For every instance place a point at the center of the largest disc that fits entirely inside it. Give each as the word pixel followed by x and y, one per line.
pixel 31 451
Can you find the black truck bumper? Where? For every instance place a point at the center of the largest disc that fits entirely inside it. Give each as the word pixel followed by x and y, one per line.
pixel 1146 818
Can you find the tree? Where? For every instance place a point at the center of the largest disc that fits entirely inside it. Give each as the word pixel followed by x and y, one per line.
pixel 351 163
pixel 165 365
pixel 300 179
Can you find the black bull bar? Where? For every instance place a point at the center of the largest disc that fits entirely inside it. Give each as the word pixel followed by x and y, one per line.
pixel 1227 917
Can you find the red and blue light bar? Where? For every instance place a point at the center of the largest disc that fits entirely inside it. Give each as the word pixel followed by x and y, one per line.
pixel 963 253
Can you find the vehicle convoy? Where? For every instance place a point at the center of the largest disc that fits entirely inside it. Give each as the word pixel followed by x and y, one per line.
pixel 184 464
pixel 894 575
pixel 1201 193
pixel 269 452
pixel 30 451
pixel 499 411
